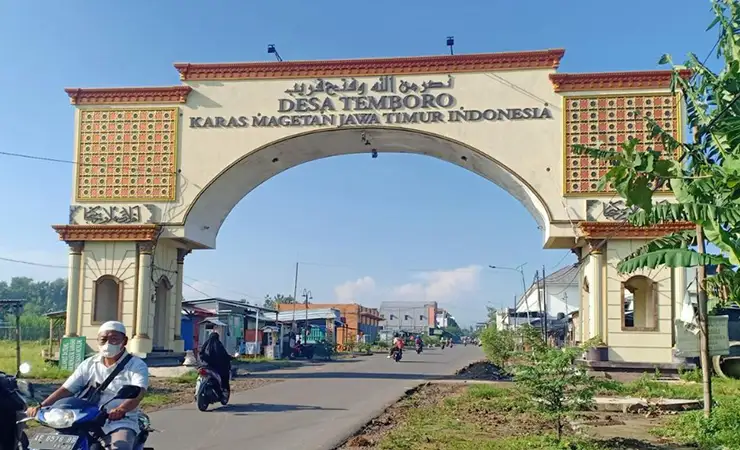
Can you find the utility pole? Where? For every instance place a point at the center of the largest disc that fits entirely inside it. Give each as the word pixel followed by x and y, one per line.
pixel 295 295
pixel 544 303
pixel 539 299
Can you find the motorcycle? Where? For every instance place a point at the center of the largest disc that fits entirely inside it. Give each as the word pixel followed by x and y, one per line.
pixel 418 349
pixel 79 424
pixel 301 351
pixel 208 389
pixel 397 355
pixel 13 394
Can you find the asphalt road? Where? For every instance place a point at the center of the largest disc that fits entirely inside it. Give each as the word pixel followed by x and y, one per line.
pixel 316 407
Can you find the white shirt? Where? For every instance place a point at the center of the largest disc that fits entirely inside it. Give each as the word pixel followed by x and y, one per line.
pixel 93 370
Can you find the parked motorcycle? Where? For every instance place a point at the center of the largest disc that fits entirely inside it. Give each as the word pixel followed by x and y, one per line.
pixel 13 394
pixel 301 351
pixel 79 423
pixel 208 389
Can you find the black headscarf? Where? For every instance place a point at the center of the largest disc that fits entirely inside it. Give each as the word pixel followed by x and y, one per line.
pixel 213 352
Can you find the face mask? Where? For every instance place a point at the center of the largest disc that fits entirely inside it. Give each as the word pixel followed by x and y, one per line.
pixel 110 350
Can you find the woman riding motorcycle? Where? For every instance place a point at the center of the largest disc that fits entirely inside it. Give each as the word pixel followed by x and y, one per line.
pixel 215 355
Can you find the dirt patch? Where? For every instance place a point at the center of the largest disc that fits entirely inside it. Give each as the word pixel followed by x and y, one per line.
pixel 481 370
pixel 611 428
pixel 450 411
pixel 491 421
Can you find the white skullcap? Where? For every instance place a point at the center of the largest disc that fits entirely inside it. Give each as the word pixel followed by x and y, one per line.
pixel 112 325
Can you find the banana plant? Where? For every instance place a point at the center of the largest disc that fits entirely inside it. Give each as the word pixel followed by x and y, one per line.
pixel 703 175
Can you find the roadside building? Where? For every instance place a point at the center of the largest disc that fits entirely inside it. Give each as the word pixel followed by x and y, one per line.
pixel 359 323
pixel 411 317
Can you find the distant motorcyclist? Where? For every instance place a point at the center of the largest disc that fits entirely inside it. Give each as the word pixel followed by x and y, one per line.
pixel 419 344
pixel 217 358
pixel 397 344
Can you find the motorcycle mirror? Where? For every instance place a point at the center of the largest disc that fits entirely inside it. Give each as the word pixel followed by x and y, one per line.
pixel 128 392
pixel 24 368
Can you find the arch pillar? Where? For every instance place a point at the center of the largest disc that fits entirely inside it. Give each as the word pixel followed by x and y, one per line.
pixel 73 288
pixel 178 345
pixel 141 343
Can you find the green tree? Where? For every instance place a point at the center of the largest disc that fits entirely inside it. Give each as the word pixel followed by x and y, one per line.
pixel 277 299
pixel 554 385
pixel 491 314
pixel 499 346
pixel 705 178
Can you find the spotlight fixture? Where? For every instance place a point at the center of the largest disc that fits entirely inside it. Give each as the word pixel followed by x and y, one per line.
pixel 451 44
pixel 272 50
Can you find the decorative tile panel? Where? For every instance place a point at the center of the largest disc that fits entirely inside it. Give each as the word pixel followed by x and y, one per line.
pixel 127 155
pixel 607 122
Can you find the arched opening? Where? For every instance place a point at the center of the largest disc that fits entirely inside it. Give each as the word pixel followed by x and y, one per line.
pixel 640 304
pixel 208 210
pixel 161 313
pixel 107 299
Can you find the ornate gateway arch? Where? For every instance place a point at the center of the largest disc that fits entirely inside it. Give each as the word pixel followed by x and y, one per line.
pixel 160 168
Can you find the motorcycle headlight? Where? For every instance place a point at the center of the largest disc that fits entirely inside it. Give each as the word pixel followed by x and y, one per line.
pixel 58 417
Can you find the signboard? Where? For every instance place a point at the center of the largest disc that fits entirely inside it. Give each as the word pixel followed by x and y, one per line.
pixel 72 352
pixel 387 100
pixel 687 342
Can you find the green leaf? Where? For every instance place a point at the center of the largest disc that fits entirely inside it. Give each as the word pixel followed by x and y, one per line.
pixel 640 194
pixel 665 59
pixel 722 240
pixel 679 257
pixel 679 239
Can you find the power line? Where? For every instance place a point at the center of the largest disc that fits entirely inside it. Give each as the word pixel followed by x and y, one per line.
pixel 57 266
pixel 197 290
pixel 31 263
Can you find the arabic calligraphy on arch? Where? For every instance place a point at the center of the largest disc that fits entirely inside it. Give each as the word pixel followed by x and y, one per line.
pixel 384 84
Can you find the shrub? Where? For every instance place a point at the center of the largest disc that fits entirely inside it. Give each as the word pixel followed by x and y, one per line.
pixel 499 346
pixel 554 385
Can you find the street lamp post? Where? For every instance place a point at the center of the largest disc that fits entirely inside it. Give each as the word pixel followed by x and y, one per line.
pixel 307 296
pixel 520 269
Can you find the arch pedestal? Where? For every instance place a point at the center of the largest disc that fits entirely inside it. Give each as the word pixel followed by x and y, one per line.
pixel 128 254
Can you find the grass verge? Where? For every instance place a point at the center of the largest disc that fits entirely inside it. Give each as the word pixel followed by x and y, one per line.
pixel 30 353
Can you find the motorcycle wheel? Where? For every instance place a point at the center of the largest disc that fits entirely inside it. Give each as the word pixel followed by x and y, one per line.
pixel 202 403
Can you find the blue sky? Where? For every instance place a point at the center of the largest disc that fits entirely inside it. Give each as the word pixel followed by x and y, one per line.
pixel 399 226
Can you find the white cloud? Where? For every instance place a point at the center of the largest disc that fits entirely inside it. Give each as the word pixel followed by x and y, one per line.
pixel 354 291
pixel 442 286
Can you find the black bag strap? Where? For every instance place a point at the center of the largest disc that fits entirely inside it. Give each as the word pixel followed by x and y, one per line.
pixel 119 367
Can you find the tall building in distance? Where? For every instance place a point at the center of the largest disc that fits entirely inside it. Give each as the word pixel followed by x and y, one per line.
pixel 412 317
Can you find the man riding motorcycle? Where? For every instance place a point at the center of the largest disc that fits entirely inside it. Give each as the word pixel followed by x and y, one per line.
pixel 397 344
pixel 122 427
pixel 217 358
pixel 419 344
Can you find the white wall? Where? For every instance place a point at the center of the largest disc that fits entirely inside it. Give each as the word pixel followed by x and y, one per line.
pixel 561 298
